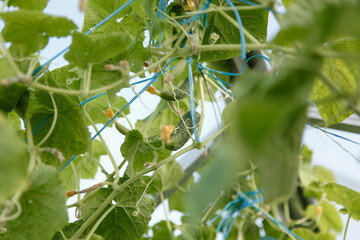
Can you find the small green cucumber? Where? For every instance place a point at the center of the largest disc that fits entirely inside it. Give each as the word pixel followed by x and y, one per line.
pixel 180 135
pixel 176 93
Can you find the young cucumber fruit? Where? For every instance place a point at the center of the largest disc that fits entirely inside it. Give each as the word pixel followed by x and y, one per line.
pixel 176 93
pixel 180 135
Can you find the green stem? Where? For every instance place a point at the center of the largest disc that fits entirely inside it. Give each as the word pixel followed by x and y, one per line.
pixel 87 81
pixel 347 226
pixel 118 189
pixel 112 159
pixel 202 96
pixel 53 124
pixel 168 225
pixel 98 222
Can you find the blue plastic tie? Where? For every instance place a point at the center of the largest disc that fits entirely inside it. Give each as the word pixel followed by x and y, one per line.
pixel 87 33
pixel 192 102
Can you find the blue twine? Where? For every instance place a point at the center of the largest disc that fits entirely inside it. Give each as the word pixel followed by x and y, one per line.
pixel 192 102
pixel 219 81
pixel 242 68
pixel 39 126
pixel 117 114
pixel 92 98
pixel 333 134
pixel 197 16
pixel 231 212
pixel 87 33
pixel 242 37
pixel 252 203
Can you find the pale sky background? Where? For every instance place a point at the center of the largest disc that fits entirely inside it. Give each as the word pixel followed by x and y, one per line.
pixel 325 151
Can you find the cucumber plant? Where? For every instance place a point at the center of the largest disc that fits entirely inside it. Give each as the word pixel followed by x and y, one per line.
pixel 256 174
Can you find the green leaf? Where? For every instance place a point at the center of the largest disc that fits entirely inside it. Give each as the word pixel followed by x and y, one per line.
pixel 306 154
pixel 89 206
pixel 70 229
pixel 160 231
pixel 97 10
pixel 324 236
pixel 43 208
pixel 191 232
pixel 329 218
pixel 129 220
pixel 136 151
pixel 305 233
pixel 96 107
pixel 70 135
pixel 344 73
pixel 164 117
pixel 287 3
pixel 85 51
pixel 29 4
pixel 10 95
pixel 344 196
pixel 227 33
pixel 32 29
pixel 168 176
pixel 86 166
pixel 13 160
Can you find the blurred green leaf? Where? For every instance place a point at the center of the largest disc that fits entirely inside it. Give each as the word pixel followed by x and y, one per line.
pixel 168 176
pixel 191 232
pixel 29 4
pixel 344 73
pixel 160 231
pixel 13 160
pixel 344 196
pixel 270 117
pixel 177 201
pixel 329 219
